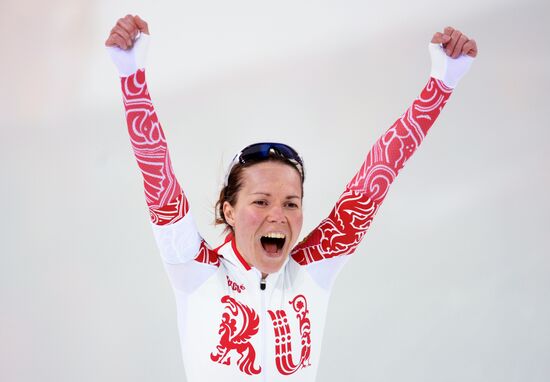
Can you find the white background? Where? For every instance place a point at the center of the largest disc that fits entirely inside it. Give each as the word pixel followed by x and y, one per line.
pixel 452 283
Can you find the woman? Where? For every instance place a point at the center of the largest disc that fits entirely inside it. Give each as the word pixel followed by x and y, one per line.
pixel 254 307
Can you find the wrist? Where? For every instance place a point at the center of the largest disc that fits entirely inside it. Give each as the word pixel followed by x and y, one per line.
pixel 446 69
pixel 131 60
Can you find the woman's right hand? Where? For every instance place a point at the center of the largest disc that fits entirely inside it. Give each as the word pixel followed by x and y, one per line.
pixel 127 44
pixel 124 33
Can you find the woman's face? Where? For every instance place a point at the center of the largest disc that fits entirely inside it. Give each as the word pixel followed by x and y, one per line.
pixel 267 217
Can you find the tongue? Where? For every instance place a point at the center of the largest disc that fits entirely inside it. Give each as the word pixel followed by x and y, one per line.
pixel 270 247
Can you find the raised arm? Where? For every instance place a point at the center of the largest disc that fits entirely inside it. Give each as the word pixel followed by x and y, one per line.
pixel 340 233
pixel 128 43
pixel 177 237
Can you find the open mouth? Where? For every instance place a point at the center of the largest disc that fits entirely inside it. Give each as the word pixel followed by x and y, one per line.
pixel 273 242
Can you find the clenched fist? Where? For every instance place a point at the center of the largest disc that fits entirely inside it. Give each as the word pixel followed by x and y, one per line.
pixel 452 54
pixel 127 44
pixel 455 43
pixel 124 33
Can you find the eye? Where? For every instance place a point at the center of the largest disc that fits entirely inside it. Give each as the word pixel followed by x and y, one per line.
pixel 260 202
pixel 292 205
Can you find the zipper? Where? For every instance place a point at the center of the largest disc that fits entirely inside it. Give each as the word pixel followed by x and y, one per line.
pixel 264 328
pixel 262 284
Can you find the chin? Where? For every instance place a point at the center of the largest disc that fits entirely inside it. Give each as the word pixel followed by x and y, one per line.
pixel 272 263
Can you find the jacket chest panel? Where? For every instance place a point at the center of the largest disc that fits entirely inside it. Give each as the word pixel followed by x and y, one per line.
pixel 275 331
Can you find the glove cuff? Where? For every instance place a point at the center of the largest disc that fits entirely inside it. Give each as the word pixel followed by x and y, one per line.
pixel 130 61
pixel 447 69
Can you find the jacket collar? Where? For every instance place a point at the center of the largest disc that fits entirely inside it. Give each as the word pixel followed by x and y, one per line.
pixel 229 252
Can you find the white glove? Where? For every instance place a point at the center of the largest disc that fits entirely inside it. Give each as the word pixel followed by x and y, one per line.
pixel 447 69
pixel 129 61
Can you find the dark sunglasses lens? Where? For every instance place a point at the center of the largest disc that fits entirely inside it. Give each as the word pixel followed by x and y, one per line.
pixel 261 151
pixel 253 152
pixel 288 152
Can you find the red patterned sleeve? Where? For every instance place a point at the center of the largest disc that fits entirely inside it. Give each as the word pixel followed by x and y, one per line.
pixel 165 198
pixel 343 229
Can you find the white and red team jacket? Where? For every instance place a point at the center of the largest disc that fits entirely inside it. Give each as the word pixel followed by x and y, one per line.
pixel 233 325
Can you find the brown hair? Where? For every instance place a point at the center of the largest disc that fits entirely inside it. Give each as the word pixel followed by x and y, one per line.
pixel 229 193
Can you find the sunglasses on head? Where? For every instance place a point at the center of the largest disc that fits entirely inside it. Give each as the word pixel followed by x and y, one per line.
pixel 265 150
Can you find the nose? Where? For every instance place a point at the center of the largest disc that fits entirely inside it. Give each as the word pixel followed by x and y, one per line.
pixel 276 215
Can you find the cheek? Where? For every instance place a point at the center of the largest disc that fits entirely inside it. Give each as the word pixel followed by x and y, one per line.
pixel 297 221
pixel 249 220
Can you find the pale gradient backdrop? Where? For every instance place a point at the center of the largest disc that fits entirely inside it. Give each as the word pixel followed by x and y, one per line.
pixel 452 283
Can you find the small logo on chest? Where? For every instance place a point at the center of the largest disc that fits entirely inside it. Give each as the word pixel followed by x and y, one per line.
pixel 234 286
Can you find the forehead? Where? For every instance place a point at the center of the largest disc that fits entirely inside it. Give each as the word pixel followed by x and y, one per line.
pixel 272 177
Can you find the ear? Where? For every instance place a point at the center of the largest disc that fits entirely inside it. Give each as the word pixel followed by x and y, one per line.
pixel 229 213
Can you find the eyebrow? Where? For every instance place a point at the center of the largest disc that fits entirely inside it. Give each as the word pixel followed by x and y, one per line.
pixel 268 194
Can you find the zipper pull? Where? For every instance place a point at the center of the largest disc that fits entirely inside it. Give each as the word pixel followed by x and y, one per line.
pixel 262 284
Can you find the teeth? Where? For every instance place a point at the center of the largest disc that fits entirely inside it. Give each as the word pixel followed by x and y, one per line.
pixel 275 235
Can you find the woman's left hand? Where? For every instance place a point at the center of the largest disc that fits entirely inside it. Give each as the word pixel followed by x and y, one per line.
pixel 451 53
pixel 455 43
